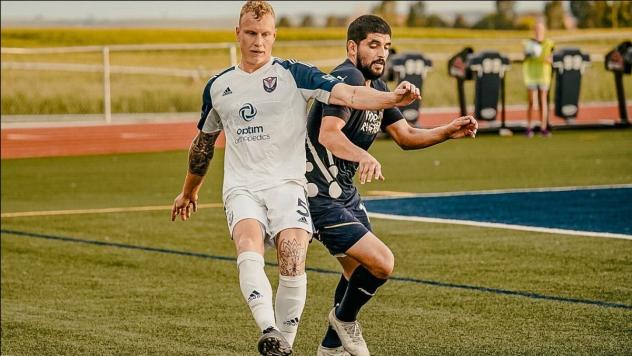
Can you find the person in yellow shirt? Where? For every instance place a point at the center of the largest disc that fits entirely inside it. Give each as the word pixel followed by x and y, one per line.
pixel 537 70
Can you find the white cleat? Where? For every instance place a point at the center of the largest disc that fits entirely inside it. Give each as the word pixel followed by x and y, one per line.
pixel 350 335
pixel 336 351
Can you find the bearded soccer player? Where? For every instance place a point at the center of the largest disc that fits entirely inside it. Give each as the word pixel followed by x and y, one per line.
pixel 261 106
pixel 337 144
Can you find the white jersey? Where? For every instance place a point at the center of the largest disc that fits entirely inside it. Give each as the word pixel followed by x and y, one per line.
pixel 263 115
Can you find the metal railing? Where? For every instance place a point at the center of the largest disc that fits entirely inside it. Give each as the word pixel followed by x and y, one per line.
pixel 108 69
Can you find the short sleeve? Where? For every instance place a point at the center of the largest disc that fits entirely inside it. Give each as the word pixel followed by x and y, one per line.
pixel 311 81
pixel 209 119
pixel 391 116
pixel 351 77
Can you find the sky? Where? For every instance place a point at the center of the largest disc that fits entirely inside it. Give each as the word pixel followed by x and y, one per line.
pixel 125 10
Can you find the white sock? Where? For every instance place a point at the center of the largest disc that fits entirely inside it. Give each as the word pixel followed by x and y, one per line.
pixel 290 300
pixel 256 288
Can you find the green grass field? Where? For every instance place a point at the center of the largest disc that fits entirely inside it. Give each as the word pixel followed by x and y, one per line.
pixel 29 92
pixel 61 297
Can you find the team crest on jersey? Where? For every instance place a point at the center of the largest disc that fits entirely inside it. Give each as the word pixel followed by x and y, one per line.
pixel 269 84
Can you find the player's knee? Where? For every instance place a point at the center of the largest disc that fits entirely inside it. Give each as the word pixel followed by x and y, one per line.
pixel 291 268
pixel 383 268
pixel 292 252
pixel 246 243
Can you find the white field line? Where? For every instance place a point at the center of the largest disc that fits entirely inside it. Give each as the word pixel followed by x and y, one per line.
pixel 500 226
pixel 100 211
pixel 400 195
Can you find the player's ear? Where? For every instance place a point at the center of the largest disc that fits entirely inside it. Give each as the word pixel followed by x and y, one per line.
pixel 352 48
pixel 237 32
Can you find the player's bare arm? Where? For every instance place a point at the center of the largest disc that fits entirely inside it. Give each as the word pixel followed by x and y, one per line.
pixel 335 141
pixel 201 152
pixel 365 98
pixel 410 138
pixel 200 155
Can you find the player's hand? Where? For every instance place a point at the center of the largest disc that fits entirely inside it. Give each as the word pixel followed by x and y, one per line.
pixel 369 168
pixel 183 206
pixel 406 93
pixel 464 126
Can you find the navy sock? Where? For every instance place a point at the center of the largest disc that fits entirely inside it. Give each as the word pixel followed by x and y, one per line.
pixel 331 339
pixel 362 286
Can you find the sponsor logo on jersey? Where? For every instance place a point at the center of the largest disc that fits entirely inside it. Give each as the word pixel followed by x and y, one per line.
pixel 247 112
pixel 251 134
pixel 372 121
pixel 269 84
pixel 227 91
pixel 249 130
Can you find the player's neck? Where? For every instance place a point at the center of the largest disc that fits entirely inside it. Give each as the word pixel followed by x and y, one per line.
pixel 251 68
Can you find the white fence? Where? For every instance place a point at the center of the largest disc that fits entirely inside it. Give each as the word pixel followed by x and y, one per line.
pixel 108 69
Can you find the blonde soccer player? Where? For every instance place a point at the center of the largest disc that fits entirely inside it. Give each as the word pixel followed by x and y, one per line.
pixel 260 104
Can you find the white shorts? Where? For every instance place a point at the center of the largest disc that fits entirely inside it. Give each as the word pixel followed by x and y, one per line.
pixel 279 208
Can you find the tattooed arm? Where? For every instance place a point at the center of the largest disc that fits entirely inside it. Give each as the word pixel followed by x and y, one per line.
pixel 200 155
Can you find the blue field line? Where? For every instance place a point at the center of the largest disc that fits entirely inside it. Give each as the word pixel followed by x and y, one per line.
pixel 326 271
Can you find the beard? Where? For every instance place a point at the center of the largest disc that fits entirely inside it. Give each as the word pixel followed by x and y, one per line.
pixel 369 73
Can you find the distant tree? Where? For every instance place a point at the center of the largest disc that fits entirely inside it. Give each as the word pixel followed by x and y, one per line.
pixel 527 21
pixel 284 21
pixel 307 21
pixel 625 14
pixel 503 19
pixel 487 22
pixel 505 14
pixel 582 11
pixel 601 12
pixel 554 13
pixel 336 21
pixel 436 21
pixel 388 11
pixel 505 10
pixel 416 15
pixel 459 22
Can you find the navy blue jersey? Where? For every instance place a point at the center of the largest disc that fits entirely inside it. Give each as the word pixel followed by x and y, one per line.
pixel 329 176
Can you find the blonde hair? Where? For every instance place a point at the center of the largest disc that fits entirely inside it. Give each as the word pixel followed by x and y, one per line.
pixel 258 8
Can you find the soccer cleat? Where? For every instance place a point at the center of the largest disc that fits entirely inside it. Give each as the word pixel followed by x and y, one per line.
pixel 350 334
pixel 529 133
pixel 272 343
pixel 335 351
pixel 545 133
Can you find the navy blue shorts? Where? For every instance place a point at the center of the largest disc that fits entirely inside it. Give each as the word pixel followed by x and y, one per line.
pixel 339 224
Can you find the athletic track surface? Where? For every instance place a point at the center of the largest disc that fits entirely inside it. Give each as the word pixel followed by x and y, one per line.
pixel 71 140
